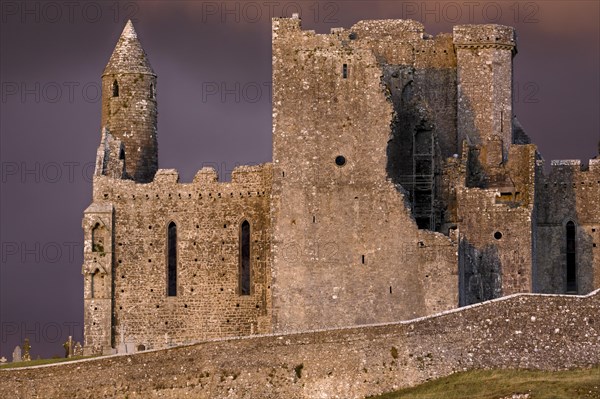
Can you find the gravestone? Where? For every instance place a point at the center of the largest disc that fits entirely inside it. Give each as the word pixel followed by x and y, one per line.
pixel 17 355
pixel 68 347
pixel 78 350
pixel 26 351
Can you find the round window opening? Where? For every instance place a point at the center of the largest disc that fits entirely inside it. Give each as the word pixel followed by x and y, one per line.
pixel 497 235
pixel 340 160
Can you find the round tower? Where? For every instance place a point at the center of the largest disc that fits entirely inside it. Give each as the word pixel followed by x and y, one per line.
pixel 484 57
pixel 129 109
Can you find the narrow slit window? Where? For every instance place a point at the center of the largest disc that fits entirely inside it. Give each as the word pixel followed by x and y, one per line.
pixel 345 71
pixel 92 285
pixel 172 259
pixel 245 258
pixel 115 89
pixel 571 258
pixel 152 91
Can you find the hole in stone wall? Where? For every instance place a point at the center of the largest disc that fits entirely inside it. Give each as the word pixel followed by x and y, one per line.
pixel 340 160
pixel 352 36
pixel 363 259
pixel 390 289
pixel 141 348
pixel 345 71
pixel 497 235
pixel 314 219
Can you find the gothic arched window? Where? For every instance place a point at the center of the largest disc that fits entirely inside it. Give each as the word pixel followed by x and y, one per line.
pixel 571 258
pixel 245 258
pixel 172 259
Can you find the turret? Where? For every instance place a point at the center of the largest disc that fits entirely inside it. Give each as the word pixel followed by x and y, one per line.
pixel 484 66
pixel 129 109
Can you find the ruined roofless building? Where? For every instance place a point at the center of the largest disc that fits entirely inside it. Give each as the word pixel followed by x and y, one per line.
pixel 401 185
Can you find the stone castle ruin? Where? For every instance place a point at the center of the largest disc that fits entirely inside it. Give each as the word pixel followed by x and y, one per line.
pixel 401 186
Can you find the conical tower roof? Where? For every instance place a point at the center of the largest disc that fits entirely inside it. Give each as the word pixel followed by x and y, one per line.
pixel 128 56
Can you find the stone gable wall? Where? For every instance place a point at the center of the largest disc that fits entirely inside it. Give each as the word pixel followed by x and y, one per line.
pixel 208 215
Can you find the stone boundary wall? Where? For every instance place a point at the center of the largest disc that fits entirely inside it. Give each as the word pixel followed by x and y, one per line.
pixel 533 331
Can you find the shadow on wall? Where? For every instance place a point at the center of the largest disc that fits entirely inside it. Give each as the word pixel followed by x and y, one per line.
pixel 413 151
pixel 480 273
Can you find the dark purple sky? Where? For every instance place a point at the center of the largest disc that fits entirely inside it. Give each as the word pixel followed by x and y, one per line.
pixel 213 60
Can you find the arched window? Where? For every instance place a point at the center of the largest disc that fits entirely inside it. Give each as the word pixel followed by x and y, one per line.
pixel 172 259
pixel 115 89
pixel 571 258
pixel 152 91
pixel 245 258
pixel 97 284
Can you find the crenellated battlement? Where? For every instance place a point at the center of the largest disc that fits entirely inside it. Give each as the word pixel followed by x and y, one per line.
pixel 561 166
pixel 246 181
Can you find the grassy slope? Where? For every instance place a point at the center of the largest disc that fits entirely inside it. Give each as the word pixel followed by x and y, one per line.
pixel 494 384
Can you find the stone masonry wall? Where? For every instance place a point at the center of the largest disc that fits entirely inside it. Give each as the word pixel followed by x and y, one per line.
pixel 521 331
pixel 496 230
pixel 208 215
pixel 568 193
pixel 346 249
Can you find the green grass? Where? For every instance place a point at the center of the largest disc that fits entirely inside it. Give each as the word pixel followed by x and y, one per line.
pixel 40 362
pixel 494 384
